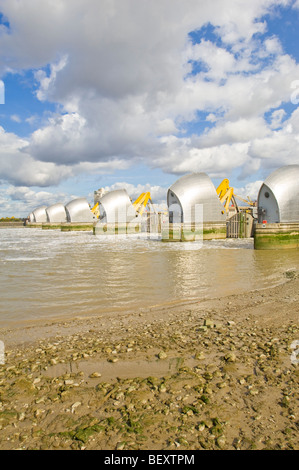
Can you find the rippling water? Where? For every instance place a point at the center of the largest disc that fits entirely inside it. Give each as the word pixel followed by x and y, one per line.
pixel 47 274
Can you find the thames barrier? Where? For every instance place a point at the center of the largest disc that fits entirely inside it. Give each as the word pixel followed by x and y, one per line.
pixel 196 210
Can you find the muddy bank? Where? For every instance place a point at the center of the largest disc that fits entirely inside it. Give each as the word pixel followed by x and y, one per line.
pixel 219 374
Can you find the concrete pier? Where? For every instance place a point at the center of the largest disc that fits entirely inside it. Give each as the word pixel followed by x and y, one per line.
pixel 77 227
pixel 34 224
pixel 214 231
pixel 117 229
pixel 194 211
pixel 51 226
pixel 278 210
pixel 273 236
pixel 193 232
pixel 11 224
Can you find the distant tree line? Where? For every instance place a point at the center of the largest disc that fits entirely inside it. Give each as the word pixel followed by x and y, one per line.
pixel 10 219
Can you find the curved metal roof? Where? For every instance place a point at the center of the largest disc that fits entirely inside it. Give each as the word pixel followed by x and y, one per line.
pixel 56 213
pixel 278 198
pixel 116 207
pixel 196 189
pixel 78 210
pixel 40 215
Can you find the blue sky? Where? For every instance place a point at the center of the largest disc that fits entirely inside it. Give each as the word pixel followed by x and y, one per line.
pixel 23 112
pixel 94 99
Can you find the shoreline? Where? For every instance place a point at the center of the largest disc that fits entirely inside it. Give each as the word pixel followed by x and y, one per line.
pixel 40 328
pixel 210 375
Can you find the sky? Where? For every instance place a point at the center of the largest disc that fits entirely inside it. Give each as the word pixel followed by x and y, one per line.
pixel 134 94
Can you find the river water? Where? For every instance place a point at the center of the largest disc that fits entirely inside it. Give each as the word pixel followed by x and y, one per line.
pixel 47 274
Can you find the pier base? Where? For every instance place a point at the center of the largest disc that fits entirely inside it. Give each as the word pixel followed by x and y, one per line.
pixel 11 224
pixel 77 227
pixel 193 232
pixel 273 236
pixel 33 225
pixel 52 226
pixel 117 229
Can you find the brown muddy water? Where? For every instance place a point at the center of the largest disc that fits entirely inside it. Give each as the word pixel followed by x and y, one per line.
pixel 50 274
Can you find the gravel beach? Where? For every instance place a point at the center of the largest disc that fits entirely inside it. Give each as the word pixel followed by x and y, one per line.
pixel 218 374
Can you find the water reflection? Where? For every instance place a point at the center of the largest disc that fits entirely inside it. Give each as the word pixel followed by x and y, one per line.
pixel 44 274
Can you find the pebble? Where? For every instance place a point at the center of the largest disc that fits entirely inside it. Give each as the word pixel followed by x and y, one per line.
pixel 75 406
pixel 39 412
pixel 162 355
pixel 68 382
pixel 95 375
pixel 120 445
pixel 230 357
pixel 221 442
pixel 209 323
pixel 200 356
pixel 22 416
pixel 114 412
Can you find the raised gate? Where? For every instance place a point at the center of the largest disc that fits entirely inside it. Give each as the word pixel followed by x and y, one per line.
pixel 240 225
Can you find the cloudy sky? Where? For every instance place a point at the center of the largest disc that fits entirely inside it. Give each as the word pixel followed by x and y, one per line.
pixel 136 93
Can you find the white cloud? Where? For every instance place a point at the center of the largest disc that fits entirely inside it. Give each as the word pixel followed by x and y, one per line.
pixel 277 117
pixel 20 201
pixel 32 119
pixel 166 127
pixel 250 190
pixel 211 118
pixel 47 82
pixel 15 118
pixel 19 168
pixel 120 73
pixel 35 198
pixel 230 132
pixel 273 46
pixel 217 161
pixel 158 193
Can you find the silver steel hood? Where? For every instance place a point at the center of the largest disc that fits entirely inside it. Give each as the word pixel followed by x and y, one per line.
pixel 78 210
pixel 278 199
pixel 116 207
pixel 40 215
pixel 56 213
pixel 192 190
